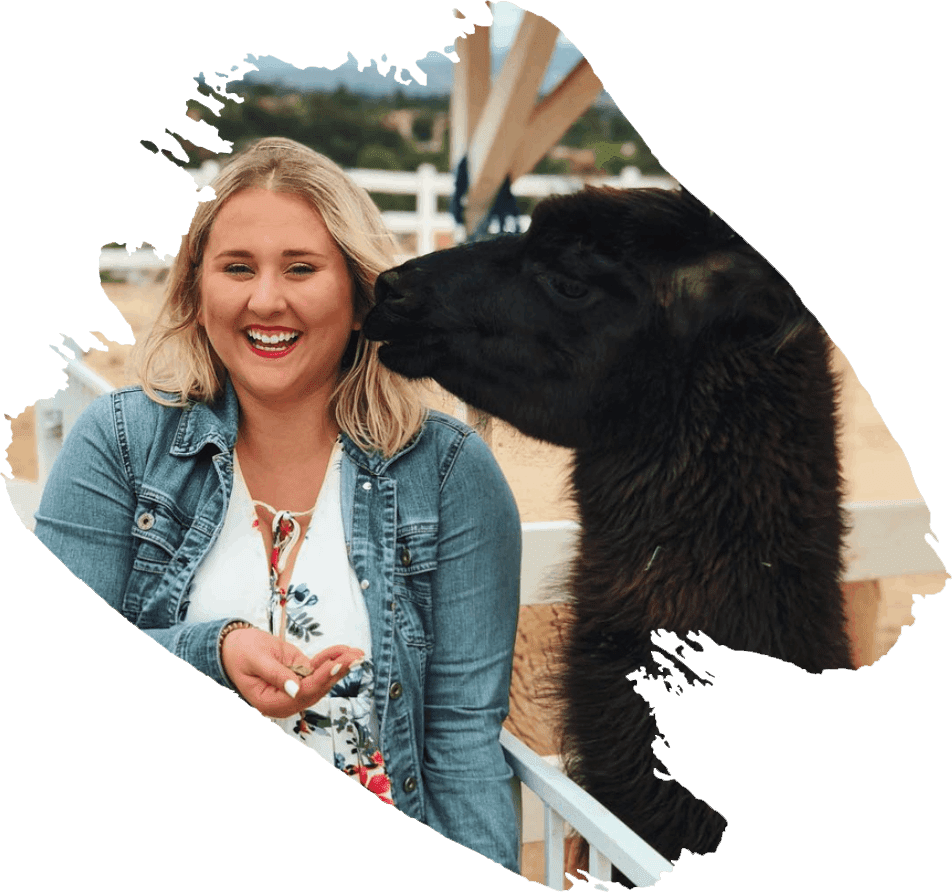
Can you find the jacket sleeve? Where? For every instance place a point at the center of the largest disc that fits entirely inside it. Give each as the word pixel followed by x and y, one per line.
pixel 85 519
pixel 466 697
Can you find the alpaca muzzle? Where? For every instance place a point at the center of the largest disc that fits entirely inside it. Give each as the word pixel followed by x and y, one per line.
pixel 399 311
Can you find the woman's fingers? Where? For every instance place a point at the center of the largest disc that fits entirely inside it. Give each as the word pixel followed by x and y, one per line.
pixel 337 653
pixel 337 661
pixel 276 678
pixel 305 682
pixel 329 667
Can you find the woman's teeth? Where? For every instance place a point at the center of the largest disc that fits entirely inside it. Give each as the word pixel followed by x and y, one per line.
pixel 275 341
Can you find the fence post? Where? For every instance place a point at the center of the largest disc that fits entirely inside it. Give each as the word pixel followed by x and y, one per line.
pixel 554 850
pixel 426 208
pixel 48 427
pixel 630 177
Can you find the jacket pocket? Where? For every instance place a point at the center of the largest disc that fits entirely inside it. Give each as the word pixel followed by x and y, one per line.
pixel 415 561
pixel 410 623
pixel 158 533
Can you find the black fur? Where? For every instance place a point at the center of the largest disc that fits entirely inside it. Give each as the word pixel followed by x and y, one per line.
pixel 639 329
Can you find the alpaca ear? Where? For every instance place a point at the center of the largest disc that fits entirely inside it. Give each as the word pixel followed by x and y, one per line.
pixel 693 301
pixel 735 295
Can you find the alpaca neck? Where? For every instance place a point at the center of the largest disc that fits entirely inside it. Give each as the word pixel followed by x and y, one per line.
pixel 728 502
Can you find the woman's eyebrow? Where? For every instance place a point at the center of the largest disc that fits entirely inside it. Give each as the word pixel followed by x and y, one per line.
pixel 291 252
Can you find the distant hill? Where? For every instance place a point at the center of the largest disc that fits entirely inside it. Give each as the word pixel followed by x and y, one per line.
pixel 363 119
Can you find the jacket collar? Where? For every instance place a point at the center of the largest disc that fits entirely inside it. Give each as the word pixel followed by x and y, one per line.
pixel 216 423
pixel 375 462
pixel 204 424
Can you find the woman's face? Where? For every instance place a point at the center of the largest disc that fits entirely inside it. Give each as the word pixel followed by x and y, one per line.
pixel 276 298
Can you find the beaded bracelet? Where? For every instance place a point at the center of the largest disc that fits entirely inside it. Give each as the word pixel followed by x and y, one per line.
pixel 230 627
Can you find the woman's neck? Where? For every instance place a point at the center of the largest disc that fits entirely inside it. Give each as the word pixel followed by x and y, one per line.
pixel 283 452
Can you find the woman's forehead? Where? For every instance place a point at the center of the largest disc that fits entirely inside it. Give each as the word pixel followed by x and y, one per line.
pixel 263 216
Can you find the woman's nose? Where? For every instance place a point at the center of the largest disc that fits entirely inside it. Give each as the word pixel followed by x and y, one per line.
pixel 267 295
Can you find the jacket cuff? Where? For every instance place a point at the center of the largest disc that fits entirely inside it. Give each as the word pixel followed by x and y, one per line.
pixel 199 644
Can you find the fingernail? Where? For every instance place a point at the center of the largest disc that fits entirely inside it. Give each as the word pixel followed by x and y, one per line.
pixel 291 688
pixel 335 669
pixel 355 665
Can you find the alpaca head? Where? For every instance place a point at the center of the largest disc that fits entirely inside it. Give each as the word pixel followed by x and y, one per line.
pixel 610 298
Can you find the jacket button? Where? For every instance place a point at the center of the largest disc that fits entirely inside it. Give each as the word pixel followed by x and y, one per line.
pixel 405 557
pixel 145 521
pixel 409 785
pixel 396 691
pixel 365 584
pixel 367 485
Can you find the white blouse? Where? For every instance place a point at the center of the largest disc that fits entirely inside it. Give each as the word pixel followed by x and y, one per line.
pixel 325 606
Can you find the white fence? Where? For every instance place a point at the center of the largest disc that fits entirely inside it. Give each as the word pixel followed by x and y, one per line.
pixel 426 222
pixel 887 539
pixel 610 842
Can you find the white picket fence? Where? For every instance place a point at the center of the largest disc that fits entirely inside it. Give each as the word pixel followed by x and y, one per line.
pixel 426 222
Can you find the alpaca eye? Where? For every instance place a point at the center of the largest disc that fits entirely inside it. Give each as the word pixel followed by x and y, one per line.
pixel 562 287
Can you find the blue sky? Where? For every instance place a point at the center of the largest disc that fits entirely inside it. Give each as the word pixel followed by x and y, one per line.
pixel 506 18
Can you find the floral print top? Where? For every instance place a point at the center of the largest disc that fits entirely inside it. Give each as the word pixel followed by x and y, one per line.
pixel 323 605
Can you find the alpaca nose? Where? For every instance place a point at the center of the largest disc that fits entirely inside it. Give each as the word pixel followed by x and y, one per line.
pixel 394 289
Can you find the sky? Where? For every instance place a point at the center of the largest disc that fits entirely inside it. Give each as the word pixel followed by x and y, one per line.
pixel 506 19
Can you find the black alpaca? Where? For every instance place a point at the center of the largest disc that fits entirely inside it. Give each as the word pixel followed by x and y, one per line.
pixel 637 328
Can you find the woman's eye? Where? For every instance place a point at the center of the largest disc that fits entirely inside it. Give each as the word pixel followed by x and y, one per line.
pixel 301 269
pixel 238 269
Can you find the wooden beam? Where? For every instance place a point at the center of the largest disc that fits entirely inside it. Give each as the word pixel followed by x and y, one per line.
pixel 499 132
pixel 471 82
pixel 554 115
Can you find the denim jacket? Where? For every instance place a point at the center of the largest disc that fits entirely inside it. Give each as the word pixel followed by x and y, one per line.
pixel 138 495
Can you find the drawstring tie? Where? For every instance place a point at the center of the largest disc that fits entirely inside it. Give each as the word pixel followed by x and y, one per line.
pixel 285 532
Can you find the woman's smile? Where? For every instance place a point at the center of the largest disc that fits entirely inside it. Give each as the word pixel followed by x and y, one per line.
pixel 271 342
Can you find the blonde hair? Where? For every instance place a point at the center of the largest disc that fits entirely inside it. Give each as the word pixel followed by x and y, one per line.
pixel 177 364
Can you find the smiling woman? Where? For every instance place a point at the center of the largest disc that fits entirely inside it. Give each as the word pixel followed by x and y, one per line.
pixel 277 300
pixel 276 508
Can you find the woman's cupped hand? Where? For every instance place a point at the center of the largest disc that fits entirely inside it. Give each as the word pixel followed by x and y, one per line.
pixel 276 678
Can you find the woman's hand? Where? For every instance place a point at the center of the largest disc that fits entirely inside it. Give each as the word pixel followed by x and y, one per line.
pixel 259 666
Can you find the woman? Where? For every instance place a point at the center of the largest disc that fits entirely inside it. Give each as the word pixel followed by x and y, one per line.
pixel 275 508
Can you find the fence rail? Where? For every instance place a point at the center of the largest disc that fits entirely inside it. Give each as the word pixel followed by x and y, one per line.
pixel 426 222
pixel 886 538
pixel 609 840
pixel 54 417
